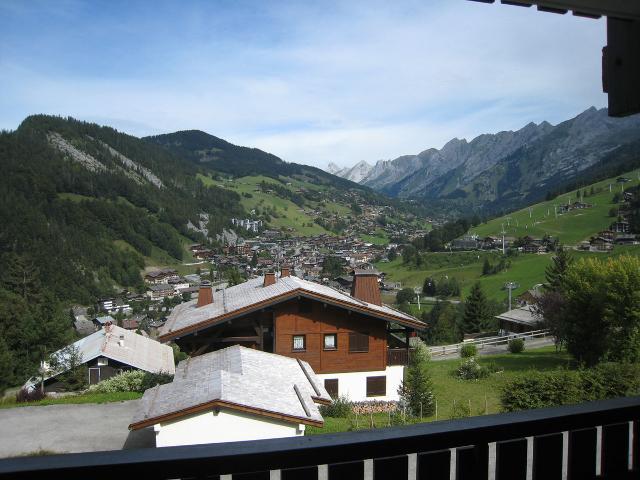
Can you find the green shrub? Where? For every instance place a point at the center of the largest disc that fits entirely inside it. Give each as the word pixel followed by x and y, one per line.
pixel 541 389
pixel 610 380
pixel 468 350
pixel 470 369
pixel 131 381
pixel 460 410
pixel 339 407
pixel 516 345
pixel 563 387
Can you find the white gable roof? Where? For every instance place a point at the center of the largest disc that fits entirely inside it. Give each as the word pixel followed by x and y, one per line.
pixel 237 377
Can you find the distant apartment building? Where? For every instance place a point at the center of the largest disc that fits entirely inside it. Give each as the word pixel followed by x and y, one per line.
pixel 247 224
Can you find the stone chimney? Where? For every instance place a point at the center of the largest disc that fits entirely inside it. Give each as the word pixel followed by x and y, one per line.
pixel 365 286
pixel 284 271
pixel 269 279
pixel 205 294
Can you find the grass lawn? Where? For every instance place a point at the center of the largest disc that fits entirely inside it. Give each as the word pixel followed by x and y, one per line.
pixel 9 402
pixel 480 394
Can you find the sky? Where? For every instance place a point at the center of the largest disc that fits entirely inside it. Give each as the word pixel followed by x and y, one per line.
pixel 312 82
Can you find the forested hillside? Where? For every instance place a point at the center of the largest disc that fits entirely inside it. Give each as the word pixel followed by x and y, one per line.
pixel 71 189
pixel 215 154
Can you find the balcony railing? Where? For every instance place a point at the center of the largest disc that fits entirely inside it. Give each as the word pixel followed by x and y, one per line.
pixel 397 356
pixel 585 441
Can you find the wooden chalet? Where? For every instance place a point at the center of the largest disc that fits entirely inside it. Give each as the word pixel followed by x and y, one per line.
pixel 343 337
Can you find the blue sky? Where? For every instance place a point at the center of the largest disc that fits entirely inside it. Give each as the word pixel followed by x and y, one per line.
pixel 311 82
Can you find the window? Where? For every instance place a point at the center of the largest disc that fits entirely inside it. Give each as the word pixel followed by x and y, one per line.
pixel 376 386
pixel 330 341
pixel 103 361
pixel 331 386
pixel 358 342
pixel 299 343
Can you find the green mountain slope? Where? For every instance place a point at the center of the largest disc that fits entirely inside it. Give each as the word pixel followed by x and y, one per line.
pixel 71 190
pixel 217 155
pixel 536 221
pixel 570 228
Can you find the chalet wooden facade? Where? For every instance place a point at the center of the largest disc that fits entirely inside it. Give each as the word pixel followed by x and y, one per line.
pixel 343 337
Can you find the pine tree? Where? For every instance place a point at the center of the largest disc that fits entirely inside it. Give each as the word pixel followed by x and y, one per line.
pixel 429 287
pixel 476 311
pixel 6 366
pixel 556 271
pixel 416 390
pixel 486 267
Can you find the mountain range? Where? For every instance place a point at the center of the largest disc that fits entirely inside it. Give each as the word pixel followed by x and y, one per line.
pixel 510 168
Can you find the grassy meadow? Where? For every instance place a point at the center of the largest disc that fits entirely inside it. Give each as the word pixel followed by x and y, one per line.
pixel 289 214
pixel 570 228
pixel 526 269
pixel 482 395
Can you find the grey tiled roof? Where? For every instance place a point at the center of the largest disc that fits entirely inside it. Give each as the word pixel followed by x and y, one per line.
pixel 240 376
pixel 252 292
pixel 137 351
pixel 523 315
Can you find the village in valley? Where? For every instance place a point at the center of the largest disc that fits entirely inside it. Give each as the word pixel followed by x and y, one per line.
pixel 462 302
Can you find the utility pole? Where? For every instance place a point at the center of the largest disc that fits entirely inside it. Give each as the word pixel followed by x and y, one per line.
pixel 503 232
pixel 510 286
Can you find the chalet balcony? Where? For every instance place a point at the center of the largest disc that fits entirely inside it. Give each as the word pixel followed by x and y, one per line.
pixel 397 356
pixel 585 441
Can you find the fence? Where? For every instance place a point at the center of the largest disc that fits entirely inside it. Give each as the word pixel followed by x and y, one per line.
pixel 488 341
pixel 585 441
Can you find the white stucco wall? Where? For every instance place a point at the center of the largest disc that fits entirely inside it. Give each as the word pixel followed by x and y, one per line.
pixel 225 426
pixel 354 384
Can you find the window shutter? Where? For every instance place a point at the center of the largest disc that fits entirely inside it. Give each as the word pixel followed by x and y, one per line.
pixel 376 386
pixel 331 385
pixel 358 342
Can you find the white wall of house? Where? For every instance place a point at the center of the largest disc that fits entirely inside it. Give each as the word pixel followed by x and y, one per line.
pixel 354 384
pixel 225 426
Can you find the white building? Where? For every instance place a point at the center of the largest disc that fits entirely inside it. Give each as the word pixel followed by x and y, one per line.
pixel 233 394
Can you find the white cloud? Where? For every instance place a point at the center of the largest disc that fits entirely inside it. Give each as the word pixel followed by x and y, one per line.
pixel 342 83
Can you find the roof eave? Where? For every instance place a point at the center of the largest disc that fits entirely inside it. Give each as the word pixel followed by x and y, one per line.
pixel 224 404
pixel 417 324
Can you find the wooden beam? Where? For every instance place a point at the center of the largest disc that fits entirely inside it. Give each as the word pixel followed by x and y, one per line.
pixel 238 339
pixel 200 350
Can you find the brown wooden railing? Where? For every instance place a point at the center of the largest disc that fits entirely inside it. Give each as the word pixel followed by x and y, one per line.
pixel 397 356
pixel 585 441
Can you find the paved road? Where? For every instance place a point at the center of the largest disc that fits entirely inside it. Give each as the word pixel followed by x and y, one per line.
pixel 496 349
pixel 70 428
